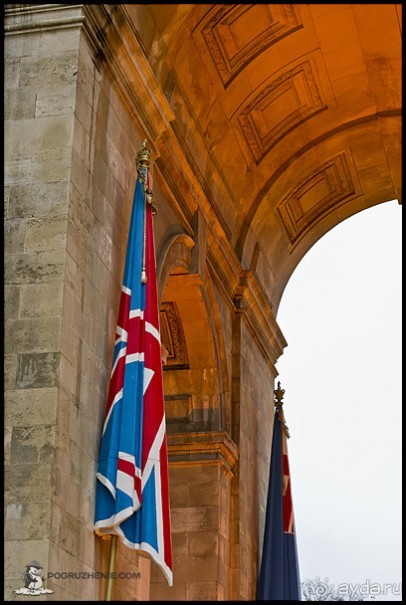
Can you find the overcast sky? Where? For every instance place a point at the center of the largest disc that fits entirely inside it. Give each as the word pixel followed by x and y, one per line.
pixel 341 316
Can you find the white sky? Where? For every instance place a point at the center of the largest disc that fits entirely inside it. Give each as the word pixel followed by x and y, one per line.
pixel 341 370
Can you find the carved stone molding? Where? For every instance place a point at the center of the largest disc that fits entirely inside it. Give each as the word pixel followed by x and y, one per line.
pixel 236 33
pixel 173 337
pixel 315 196
pixel 24 18
pixel 279 107
pixel 189 449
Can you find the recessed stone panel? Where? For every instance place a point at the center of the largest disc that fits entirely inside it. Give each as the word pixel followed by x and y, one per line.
pixel 318 194
pixel 280 105
pixel 236 33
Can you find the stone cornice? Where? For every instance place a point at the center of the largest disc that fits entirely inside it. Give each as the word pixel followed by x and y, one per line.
pixel 113 37
pixel 27 18
pixel 246 295
pixel 252 301
pixel 114 41
pixel 186 449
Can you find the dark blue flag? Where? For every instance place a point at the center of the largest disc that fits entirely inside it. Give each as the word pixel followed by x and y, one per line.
pixel 279 578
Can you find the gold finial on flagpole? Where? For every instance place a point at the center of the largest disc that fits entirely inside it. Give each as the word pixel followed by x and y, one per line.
pixel 279 394
pixel 143 156
pixel 142 161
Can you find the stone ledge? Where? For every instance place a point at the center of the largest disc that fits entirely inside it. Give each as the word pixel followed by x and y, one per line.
pixel 25 18
pixel 188 449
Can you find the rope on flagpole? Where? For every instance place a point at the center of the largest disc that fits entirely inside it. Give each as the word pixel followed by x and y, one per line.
pixel 144 244
pixel 112 563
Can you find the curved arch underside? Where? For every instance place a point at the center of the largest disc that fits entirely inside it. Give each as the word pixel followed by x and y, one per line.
pixel 289 115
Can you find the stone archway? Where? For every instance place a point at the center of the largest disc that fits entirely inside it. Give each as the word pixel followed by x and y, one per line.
pixel 268 125
pixel 202 457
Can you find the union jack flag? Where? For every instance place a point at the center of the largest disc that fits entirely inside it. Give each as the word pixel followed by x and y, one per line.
pixel 132 495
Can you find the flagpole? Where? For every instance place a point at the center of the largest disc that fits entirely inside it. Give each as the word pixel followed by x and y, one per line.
pixel 112 563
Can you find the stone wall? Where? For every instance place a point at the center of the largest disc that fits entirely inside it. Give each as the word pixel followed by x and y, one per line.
pixel 40 91
pixel 69 174
pixel 101 190
pixel 256 424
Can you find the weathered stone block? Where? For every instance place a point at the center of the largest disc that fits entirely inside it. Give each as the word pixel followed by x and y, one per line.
pixel 45 70
pixel 14 235
pixel 84 109
pixel 43 235
pixel 180 543
pixel 37 370
pixel 17 172
pixel 20 552
pixel 39 200
pixel 12 69
pixel 22 45
pixel 62 561
pixel 93 368
pixel 30 407
pixel 81 176
pixel 70 340
pixel 86 433
pixel 38 267
pixel 55 100
pixel 30 482
pixel 93 303
pixel 202 591
pixel 204 493
pixel 37 335
pixel 104 245
pixel 7 445
pixel 67 495
pixel 27 520
pixel 162 592
pixel 179 495
pixel 195 569
pixel 51 165
pixel 10 371
pixel 11 301
pixel 68 40
pixel 23 138
pixel 68 376
pixel 93 404
pixel 81 139
pixel 195 518
pixel 203 543
pixel 60 593
pixel 6 201
pixel 65 530
pixel 73 277
pixel 47 297
pixel 19 103
pixel 32 444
